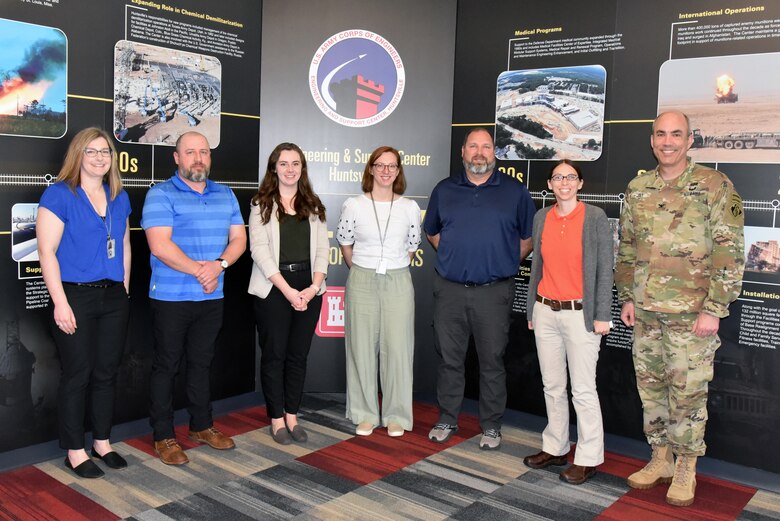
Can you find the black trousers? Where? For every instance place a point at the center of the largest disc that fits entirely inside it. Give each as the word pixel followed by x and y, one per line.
pixel 458 313
pixel 90 360
pixel 285 338
pixel 183 329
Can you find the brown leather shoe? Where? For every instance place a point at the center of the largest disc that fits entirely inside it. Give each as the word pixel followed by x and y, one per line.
pixel 213 438
pixel 170 452
pixel 542 460
pixel 577 474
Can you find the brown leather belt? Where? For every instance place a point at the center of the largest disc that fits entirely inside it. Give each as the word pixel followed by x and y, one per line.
pixel 557 305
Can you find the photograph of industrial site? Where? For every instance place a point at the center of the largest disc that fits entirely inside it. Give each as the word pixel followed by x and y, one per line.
pixel 733 103
pixel 762 249
pixel 24 240
pixel 160 93
pixel 551 113
pixel 33 80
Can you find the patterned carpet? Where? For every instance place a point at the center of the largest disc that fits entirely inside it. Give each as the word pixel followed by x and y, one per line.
pixel 339 476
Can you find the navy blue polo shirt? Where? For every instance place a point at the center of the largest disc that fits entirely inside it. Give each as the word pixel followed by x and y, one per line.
pixel 480 227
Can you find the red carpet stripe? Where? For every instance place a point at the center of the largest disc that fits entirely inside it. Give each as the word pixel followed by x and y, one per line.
pixel 31 494
pixel 364 459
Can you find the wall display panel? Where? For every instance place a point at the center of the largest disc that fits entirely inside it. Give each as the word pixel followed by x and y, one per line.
pixel 713 60
pixel 342 83
pixel 146 72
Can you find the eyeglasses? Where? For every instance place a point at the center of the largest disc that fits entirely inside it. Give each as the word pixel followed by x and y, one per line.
pixel 93 152
pixel 571 177
pixel 390 168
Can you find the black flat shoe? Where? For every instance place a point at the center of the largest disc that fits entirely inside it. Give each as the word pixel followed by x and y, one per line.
pixel 87 469
pixel 111 459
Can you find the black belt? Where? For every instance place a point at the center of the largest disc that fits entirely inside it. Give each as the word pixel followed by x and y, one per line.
pixel 102 283
pixel 295 266
pixel 557 305
pixel 478 285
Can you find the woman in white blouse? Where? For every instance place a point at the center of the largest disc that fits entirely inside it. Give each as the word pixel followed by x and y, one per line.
pixel 379 232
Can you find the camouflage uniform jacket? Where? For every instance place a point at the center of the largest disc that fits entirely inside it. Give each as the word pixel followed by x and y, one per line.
pixel 682 243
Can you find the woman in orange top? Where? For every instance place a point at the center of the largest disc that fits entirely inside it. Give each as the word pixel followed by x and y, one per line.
pixel 569 310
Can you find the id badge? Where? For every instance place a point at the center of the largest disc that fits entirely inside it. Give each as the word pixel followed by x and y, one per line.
pixel 381 268
pixel 111 248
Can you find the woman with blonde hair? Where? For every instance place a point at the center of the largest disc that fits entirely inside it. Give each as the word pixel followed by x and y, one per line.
pixel 379 232
pixel 288 238
pixel 84 248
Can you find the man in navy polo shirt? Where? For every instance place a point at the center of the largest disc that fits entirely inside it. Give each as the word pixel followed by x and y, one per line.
pixel 195 231
pixel 479 221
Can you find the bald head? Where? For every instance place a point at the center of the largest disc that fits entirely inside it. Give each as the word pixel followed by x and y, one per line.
pixel 675 115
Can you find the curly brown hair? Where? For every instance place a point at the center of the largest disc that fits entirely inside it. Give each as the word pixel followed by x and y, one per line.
pixel 306 202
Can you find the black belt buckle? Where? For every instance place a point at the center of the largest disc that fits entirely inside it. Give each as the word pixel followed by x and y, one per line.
pixel 555 305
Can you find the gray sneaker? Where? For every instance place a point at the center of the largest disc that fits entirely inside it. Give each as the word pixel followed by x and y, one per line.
pixel 442 432
pixel 491 439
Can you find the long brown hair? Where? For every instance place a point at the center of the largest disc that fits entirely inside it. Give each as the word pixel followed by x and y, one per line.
pixel 305 203
pixel 70 173
pixel 399 185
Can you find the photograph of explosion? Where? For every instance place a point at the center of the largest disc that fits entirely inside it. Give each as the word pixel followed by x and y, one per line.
pixel 551 113
pixel 161 93
pixel 762 249
pixel 733 103
pixel 33 80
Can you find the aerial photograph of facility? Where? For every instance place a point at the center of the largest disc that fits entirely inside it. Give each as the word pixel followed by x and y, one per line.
pixel 551 113
pixel 160 93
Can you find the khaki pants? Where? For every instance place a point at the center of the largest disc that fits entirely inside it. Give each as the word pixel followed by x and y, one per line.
pixel 561 340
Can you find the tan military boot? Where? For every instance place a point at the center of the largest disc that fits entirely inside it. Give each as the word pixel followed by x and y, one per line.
pixel 659 470
pixel 683 486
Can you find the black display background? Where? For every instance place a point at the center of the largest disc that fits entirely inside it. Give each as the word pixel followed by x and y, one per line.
pixel 93 27
pixel 744 399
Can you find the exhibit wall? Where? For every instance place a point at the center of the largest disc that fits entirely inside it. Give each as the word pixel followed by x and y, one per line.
pixel 340 82
pixel 146 72
pixel 584 81
pixel 340 78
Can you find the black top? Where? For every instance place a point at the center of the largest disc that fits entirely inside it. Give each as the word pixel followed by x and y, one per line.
pixel 294 237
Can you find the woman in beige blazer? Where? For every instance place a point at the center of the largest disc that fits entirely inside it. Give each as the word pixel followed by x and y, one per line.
pixel 288 238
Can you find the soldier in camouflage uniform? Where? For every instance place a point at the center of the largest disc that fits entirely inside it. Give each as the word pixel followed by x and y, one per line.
pixel 679 267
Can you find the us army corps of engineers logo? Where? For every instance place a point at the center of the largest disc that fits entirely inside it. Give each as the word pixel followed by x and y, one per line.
pixel 356 78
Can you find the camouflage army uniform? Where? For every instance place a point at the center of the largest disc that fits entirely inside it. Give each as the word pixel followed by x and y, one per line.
pixel 681 253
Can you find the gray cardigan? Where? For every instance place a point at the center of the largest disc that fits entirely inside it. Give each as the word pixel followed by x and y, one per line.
pixel 597 261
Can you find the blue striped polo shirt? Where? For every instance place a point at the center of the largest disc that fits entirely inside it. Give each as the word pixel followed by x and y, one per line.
pixel 201 226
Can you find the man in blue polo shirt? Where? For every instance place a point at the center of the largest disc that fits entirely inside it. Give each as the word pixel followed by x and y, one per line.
pixel 195 231
pixel 479 221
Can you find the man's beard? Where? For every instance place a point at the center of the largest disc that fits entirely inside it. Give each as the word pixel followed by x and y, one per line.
pixel 479 169
pixel 192 175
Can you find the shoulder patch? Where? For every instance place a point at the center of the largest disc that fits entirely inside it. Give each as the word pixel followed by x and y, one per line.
pixel 735 206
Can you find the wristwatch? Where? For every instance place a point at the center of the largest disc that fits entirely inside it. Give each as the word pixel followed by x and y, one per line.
pixel 223 263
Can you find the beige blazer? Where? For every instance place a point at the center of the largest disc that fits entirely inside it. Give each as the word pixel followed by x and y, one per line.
pixel 264 246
